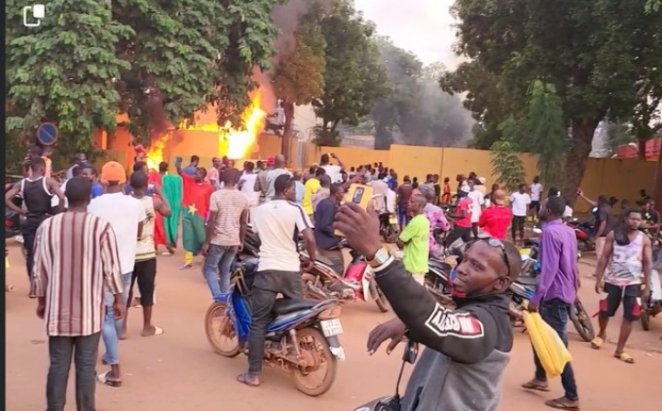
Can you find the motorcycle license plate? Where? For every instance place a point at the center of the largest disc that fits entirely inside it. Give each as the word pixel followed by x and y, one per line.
pixel 392 220
pixel 331 327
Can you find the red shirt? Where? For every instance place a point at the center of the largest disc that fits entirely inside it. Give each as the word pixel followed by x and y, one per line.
pixel 196 195
pixel 464 206
pixel 495 220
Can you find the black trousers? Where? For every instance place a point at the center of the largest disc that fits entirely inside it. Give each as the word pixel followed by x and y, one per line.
pixel 29 232
pixel 84 351
pixel 517 225
pixel 266 287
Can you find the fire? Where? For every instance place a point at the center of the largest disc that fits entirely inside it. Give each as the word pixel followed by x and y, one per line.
pixel 232 142
pixel 237 143
pixel 155 152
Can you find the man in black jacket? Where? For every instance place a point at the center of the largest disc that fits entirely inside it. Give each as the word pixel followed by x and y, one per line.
pixel 469 347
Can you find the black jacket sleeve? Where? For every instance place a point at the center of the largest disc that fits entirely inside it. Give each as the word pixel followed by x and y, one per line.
pixel 466 336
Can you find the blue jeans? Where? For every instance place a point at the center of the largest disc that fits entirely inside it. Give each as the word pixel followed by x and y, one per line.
pixel 217 263
pixel 403 217
pixel 112 328
pixel 556 313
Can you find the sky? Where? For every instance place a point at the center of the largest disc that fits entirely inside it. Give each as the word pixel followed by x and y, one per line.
pixel 424 27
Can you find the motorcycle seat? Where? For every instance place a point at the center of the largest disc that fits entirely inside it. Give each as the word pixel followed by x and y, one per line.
pixel 529 281
pixel 287 305
pixel 324 260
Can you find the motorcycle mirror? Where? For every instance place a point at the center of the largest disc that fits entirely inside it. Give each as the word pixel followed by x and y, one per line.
pixel 411 352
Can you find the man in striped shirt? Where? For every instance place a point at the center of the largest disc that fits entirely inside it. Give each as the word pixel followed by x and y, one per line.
pixel 75 256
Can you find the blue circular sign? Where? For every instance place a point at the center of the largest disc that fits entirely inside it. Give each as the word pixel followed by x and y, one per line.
pixel 47 134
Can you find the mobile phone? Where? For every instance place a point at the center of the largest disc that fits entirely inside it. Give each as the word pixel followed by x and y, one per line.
pixel 359 194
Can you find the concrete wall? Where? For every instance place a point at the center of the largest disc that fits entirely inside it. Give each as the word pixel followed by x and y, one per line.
pixel 620 178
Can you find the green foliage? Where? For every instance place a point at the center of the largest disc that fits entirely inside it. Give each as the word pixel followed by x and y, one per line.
pixel 250 33
pixel 64 71
pixel 544 132
pixel 354 77
pixel 506 164
pixel 159 61
pixel 593 52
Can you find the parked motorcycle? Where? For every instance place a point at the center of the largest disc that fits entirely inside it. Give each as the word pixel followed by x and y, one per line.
pixel 523 289
pixel 356 283
pixel 583 231
pixel 651 301
pixel 389 227
pixel 302 339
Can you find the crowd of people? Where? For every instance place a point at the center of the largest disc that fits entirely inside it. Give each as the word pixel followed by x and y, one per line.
pixel 115 223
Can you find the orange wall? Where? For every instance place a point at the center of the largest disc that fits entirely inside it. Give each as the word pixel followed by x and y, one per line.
pixel 620 178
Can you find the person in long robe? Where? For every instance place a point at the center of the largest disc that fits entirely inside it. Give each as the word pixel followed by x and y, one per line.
pixel 172 187
pixel 156 179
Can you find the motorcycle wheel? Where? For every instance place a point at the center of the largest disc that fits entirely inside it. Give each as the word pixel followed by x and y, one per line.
pixel 320 371
pixel 582 321
pixel 220 331
pixel 645 319
pixel 382 302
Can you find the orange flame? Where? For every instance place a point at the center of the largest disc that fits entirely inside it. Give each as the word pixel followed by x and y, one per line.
pixel 232 142
pixel 155 152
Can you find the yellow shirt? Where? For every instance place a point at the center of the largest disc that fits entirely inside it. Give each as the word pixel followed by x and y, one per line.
pixel 311 187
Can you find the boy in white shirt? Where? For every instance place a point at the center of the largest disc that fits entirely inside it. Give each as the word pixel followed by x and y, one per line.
pixel 520 201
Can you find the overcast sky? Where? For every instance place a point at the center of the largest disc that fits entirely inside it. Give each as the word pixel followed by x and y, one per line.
pixel 423 27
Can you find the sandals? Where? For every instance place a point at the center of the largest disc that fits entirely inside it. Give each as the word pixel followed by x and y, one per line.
pixel 247 379
pixel 111 382
pixel 563 404
pixel 157 331
pixel 597 343
pixel 536 385
pixel 625 357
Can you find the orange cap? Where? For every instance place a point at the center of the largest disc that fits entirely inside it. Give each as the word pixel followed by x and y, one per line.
pixel 113 171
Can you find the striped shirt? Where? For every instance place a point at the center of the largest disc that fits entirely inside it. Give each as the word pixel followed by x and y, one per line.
pixel 74 253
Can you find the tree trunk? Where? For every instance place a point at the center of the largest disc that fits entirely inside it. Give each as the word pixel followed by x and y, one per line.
pixel 287 131
pixel 575 165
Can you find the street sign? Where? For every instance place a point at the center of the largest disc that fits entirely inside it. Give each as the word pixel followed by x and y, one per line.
pixel 47 134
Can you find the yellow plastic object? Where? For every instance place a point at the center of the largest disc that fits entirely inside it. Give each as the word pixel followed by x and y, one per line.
pixel 524 252
pixel 551 351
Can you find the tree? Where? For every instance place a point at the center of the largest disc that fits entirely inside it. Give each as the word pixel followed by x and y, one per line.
pixel 299 76
pixel 187 54
pixel 544 132
pixel 506 165
pixel 594 66
pixel 64 71
pixel 354 78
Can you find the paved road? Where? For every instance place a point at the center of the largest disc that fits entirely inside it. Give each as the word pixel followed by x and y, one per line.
pixel 178 370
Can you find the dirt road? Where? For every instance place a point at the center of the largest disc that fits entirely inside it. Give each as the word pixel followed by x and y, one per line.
pixel 178 370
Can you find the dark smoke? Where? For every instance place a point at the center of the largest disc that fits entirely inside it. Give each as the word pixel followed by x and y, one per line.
pixel 286 17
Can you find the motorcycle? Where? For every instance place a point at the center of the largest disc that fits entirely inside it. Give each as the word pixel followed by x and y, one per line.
pixel 389 227
pixel 523 289
pixel 393 403
pixel 356 283
pixel 302 339
pixel 582 234
pixel 651 302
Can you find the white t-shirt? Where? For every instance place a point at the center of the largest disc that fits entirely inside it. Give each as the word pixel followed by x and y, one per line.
pixel 276 223
pixel 476 198
pixel 124 213
pixel 247 189
pixel 390 200
pixel 520 201
pixel 333 172
pixel 55 200
pixel 536 189
pixel 567 213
